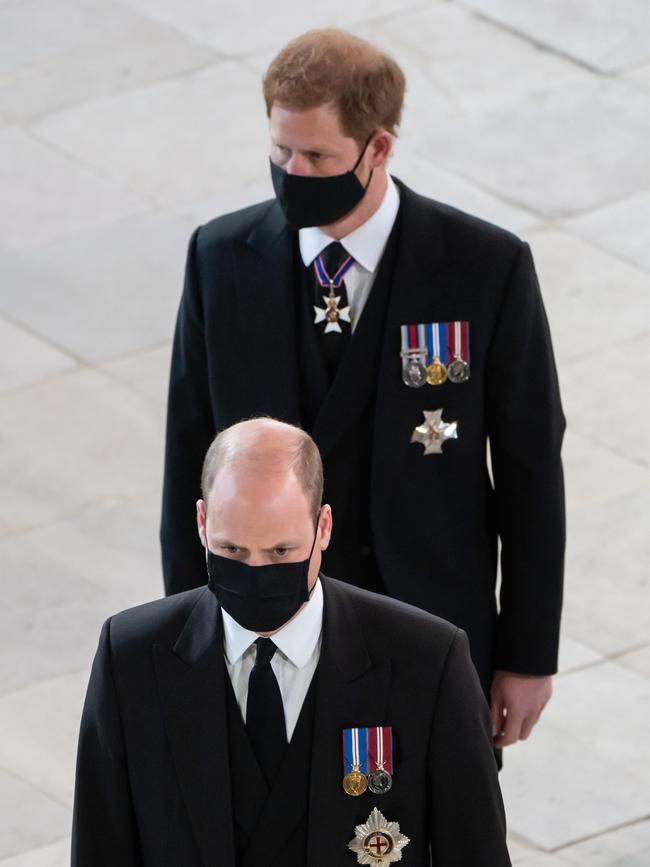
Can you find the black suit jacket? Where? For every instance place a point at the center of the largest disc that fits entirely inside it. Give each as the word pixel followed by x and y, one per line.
pixel 154 778
pixel 435 519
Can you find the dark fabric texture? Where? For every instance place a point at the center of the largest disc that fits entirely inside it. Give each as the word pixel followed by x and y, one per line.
pixel 265 713
pixel 165 776
pixel 433 522
pixel 252 797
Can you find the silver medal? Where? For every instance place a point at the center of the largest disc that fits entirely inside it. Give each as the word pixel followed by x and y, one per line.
pixel 414 373
pixel 458 371
pixel 380 782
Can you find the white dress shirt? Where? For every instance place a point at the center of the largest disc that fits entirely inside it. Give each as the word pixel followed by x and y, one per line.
pixel 293 663
pixel 366 246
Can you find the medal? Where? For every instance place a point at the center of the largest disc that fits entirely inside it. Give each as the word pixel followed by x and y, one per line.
pixel 434 432
pixel 413 355
pixel 380 754
pixel 458 370
pixel 378 841
pixel 355 783
pixel 380 782
pixel 355 761
pixel 331 314
pixel 436 344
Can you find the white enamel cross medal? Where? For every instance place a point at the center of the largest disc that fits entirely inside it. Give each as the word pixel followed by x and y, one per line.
pixel 434 432
pixel 332 315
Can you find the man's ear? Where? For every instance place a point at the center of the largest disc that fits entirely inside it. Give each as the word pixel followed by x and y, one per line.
pixel 325 523
pixel 381 148
pixel 200 522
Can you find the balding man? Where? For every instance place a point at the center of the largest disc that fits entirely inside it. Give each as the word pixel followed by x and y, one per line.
pixel 276 716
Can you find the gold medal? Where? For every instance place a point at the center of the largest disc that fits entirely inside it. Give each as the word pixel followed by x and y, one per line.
pixel 436 372
pixel 355 783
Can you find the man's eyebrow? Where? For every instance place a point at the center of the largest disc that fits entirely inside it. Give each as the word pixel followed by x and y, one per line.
pixel 224 540
pixel 323 151
pixel 283 543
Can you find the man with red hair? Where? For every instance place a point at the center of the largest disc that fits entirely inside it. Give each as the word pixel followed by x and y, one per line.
pixel 406 337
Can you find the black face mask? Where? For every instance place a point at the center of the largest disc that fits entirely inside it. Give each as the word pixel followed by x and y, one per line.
pixel 318 201
pixel 259 598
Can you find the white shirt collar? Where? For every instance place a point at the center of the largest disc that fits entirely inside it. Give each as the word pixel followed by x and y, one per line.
pixel 366 244
pixel 296 640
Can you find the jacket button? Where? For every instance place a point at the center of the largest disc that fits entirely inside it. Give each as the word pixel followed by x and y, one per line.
pixel 364 550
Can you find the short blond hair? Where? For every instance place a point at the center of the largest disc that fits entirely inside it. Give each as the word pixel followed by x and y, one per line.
pixel 240 444
pixel 332 66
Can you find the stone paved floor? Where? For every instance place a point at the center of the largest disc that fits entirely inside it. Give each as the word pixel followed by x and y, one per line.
pixel 122 125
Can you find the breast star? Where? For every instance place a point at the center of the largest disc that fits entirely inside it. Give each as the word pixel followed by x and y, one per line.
pixel 434 432
pixel 378 841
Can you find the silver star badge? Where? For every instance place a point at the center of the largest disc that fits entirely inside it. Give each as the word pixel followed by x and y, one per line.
pixel 331 313
pixel 434 432
pixel 378 841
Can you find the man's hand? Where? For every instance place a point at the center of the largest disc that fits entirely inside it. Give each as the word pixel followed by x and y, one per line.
pixel 516 703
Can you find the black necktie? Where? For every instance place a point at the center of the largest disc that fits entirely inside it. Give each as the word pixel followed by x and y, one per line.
pixel 333 320
pixel 265 713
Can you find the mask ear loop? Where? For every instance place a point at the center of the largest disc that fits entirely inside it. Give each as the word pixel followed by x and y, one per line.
pixel 313 545
pixel 361 155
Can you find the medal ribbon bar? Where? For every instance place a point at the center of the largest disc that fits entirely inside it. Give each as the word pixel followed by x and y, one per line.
pixel 380 748
pixel 355 750
pixel 413 340
pixel 457 341
pixel 436 341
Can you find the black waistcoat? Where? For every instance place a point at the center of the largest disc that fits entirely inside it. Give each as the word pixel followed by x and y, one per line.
pixel 350 556
pixel 258 811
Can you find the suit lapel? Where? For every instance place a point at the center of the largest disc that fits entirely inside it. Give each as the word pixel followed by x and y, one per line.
pixel 267 310
pixel 419 284
pixel 353 690
pixel 191 682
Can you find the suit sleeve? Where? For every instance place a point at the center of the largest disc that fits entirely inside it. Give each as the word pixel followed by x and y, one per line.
pixel 467 815
pixel 190 429
pixel 525 427
pixel 104 831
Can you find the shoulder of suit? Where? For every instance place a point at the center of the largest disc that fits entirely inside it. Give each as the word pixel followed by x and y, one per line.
pixel 458 228
pixel 391 619
pixel 236 225
pixel 159 621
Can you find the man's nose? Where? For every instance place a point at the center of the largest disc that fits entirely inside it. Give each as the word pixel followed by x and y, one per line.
pixel 298 165
pixel 257 558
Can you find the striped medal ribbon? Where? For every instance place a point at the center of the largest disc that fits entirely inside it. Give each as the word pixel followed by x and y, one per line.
pixel 355 761
pixel 380 753
pixel 458 336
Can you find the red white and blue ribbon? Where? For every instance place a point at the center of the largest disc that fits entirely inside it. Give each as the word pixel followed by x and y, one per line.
pixel 355 750
pixel 413 339
pixel 324 278
pixel 445 341
pixel 436 341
